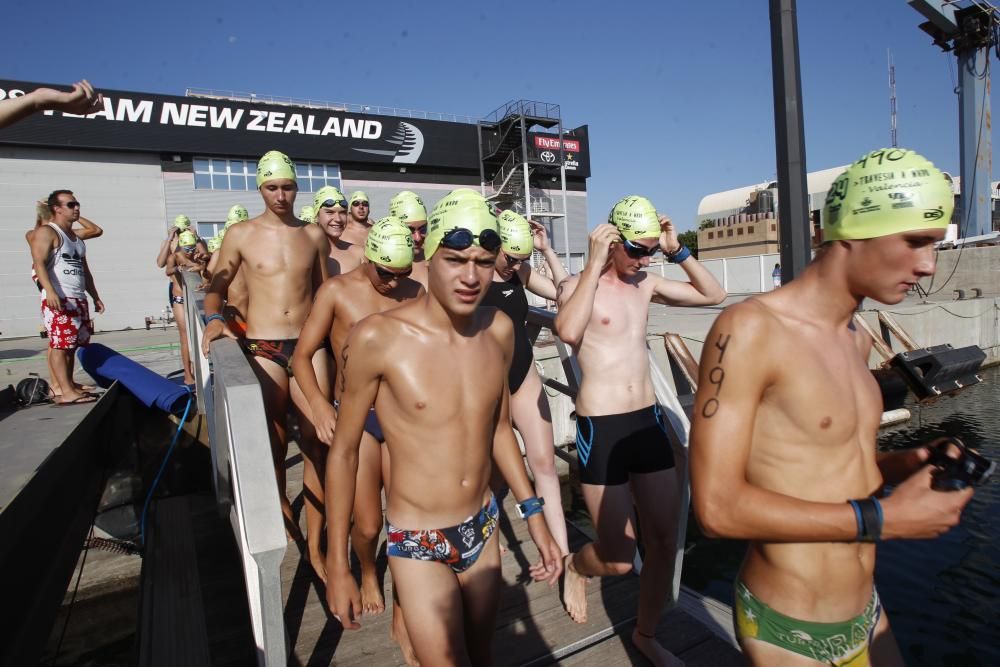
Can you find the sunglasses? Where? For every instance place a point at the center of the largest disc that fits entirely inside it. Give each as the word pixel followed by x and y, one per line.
pixel 422 229
pixel 638 251
pixel 514 260
pixel 71 204
pixel 359 203
pixel 329 203
pixel 461 238
pixel 387 275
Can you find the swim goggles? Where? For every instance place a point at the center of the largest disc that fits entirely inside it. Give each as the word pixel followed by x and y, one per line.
pixel 461 238
pixel 638 251
pixel 342 203
pixel 386 275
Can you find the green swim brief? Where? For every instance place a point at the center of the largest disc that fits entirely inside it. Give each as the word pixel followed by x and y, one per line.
pixel 843 644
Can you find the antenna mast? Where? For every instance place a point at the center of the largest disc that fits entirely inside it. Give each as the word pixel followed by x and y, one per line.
pixel 892 100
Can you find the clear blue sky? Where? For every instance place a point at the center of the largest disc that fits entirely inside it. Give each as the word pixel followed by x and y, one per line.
pixel 677 95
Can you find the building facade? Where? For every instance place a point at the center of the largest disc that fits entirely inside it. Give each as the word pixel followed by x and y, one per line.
pixel 146 158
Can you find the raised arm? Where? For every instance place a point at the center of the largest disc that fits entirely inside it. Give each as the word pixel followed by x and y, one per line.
pixel 166 248
pixel 314 332
pixel 576 295
pixel 702 290
pixel 735 370
pixel 361 370
pixel 535 283
pixel 81 100
pixel 88 230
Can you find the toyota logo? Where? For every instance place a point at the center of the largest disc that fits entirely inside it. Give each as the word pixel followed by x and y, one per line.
pixel 548 156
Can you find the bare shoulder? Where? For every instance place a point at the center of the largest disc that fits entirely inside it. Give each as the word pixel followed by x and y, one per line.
pixel 751 317
pixel 373 333
pixel 331 288
pixel 496 321
pixel 315 233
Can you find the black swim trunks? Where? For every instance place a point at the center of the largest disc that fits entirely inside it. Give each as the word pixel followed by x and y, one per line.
pixel 611 447
pixel 171 299
pixel 278 351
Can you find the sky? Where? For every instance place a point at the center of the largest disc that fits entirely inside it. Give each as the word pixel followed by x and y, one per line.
pixel 678 95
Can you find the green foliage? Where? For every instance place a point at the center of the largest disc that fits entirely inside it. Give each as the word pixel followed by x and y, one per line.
pixel 690 239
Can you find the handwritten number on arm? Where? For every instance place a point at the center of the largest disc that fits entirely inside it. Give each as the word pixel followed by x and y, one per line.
pixel 716 377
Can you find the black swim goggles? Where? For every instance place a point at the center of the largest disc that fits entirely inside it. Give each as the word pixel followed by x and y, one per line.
pixel 461 238
pixel 637 250
pixel 329 203
pixel 386 275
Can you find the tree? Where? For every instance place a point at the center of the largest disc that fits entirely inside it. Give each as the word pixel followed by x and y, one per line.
pixel 690 239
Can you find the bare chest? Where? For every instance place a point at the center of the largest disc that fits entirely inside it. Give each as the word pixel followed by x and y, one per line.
pixel 619 311
pixel 287 252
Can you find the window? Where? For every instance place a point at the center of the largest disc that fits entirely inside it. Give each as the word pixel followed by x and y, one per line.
pixel 773 227
pixel 223 174
pixel 750 229
pixel 711 235
pixel 739 231
pixel 729 232
pixel 207 230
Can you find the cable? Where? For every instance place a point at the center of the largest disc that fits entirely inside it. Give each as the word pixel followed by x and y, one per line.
pixel 163 466
pixel 72 600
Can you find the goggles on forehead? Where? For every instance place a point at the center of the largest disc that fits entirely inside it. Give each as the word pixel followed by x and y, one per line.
pixel 330 203
pixel 461 238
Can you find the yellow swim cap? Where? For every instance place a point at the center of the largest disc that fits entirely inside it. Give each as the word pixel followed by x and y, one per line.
pixel 214 243
pixel 457 197
pixel 328 193
pixel 473 216
pixel 182 222
pixel 238 213
pixel 635 217
pixel 408 207
pixel 887 191
pixel 274 165
pixel 357 195
pixel 390 244
pixel 515 232
pixel 187 238
pixel 307 214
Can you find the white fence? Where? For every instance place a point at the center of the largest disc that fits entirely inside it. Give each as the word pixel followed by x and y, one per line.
pixel 750 274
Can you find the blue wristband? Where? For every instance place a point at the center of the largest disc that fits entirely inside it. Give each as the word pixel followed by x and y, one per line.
pixel 216 316
pixel 679 256
pixel 857 518
pixel 530 506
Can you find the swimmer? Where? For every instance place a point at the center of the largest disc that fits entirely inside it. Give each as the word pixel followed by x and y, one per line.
pixel 330 207
pixel 783 441
pixel 444 432
pixel 529 407
pixel 283 263
pixel 625 455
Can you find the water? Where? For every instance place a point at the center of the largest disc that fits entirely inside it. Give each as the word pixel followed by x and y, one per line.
pixel 942 596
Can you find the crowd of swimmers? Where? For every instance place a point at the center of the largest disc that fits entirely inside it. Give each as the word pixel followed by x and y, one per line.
pixel 399 347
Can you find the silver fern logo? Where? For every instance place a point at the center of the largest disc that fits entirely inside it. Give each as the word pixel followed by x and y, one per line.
pixel 409 142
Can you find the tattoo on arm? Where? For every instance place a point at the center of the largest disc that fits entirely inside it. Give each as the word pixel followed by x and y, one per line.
pixel 343 370
pixel 716 377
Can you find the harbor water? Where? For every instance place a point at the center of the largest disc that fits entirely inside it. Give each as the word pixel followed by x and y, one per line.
pixel 942 596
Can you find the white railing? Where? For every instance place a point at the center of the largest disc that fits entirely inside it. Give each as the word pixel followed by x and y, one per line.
pixel 678 426
pixel 749 274
pixel 246 490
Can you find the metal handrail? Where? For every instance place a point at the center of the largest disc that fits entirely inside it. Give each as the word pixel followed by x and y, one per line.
pixel 677 423
pixel 348 107
pixel 524 108
pixel 246 489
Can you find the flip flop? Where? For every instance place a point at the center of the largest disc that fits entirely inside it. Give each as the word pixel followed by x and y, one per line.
pixel 81 400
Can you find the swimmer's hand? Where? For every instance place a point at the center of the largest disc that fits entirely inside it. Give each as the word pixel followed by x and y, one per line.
pixel 539 236
pixel 81 100
pixel 343 598
pixel 669 243
pixel 916 511
pixel 324 420
pixel 550 556
pixel 600 241
pixel 215 329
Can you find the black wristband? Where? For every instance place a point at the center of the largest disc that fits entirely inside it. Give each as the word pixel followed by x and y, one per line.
pixel 870 512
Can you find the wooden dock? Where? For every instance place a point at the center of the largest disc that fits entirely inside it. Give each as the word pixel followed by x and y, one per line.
pixel 532 626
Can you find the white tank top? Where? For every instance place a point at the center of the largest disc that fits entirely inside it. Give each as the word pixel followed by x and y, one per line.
pixel 65 266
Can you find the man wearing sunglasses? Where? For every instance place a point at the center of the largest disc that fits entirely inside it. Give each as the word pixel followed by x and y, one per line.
pixel 381 283
pixel 436 370
pixel 409 207
pixel 282 260
pixel 330 209
pixel 625 455
pixel 358 221
pixel 60 263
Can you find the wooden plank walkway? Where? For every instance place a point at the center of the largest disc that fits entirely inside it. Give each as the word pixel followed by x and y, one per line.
pixel 532 626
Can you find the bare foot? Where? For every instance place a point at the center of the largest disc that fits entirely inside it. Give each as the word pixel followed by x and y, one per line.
pixel 318 561
pixel 574 591
pixel 654 651
pixel 399 635
pixel 372 600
